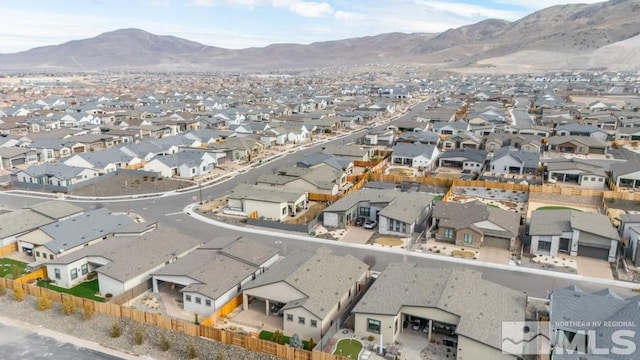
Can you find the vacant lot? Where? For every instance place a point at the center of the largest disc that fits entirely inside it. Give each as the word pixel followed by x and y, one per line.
pixel 130 185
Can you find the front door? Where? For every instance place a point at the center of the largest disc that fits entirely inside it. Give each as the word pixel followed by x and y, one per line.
pixel 564 245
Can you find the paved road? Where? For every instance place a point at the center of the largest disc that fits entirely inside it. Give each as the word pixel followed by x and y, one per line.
pixel 19 342
pixel 158 208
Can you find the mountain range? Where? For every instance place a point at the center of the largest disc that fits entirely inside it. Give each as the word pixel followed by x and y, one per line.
pixel 602 36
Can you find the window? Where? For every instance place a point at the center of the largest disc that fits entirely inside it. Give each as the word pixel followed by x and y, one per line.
pixel 84 269
pixel 373 326
pixel 74 274
pixel 207 302
pixel 37 253
pixel 314 323
pixel 301 320
pixel 198 300
pixel 544 245
pixel 365 211
pixel 468 238
pixel 289 317
pixel 600 179
pixel 448 233
pixel 50 256
pixel 284 211
pixel 187 298
pixel 57 271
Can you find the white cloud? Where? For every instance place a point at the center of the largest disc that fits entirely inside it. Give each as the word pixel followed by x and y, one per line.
pixel 298 7
pixel 470 10
pixel 348 16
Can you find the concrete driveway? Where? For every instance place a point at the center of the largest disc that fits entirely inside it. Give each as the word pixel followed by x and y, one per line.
pixel 594 267
pixel 357 235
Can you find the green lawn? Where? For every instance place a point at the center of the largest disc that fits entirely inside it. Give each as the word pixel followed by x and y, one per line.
pixel 551 207
pixel 268 335
pixel 6 268
pixel 348 347
pixel 437 198
pixel 86 290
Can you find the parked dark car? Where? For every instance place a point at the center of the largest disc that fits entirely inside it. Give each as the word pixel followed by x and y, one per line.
pixel 359 221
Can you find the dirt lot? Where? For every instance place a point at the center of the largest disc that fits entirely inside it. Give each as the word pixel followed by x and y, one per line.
pixel 127 184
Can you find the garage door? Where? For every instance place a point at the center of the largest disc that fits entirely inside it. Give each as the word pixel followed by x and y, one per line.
pixel 497 242
pixel 593 252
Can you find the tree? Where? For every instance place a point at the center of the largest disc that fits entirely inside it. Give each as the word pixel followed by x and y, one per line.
pixel 44 303
pixel 68 306
pixel 295 341
pixel 18 292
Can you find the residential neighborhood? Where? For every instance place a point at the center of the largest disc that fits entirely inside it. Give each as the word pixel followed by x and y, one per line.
pixel 344 211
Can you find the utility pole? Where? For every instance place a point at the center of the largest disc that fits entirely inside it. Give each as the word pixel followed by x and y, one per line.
pixel 200 188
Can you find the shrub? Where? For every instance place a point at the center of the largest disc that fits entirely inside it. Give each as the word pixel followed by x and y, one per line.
pixel 165 344
pixel 192 352
pixel 18 293
pixel 278 337
pixel 295 341
pixel 311 344
pixel 138 335
pixel 44 303
pixel 15 271
pixel 68 306
pixel 3 289
pixel 115 331
pixel 437 251
pixel 87 311
pixel 371 338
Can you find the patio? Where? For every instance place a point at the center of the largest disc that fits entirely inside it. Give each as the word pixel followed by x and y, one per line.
pixel 252 320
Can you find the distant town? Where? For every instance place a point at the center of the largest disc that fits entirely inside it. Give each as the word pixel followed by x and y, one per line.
pixel 376 212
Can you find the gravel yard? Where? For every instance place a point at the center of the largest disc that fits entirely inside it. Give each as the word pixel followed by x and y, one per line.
pixel 97 330
pixel 129 185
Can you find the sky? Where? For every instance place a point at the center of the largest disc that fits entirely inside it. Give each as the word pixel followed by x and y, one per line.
pixel 237 24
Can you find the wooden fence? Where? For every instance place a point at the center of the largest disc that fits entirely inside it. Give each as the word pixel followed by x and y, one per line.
pixel 40 273
pixel 226 337
pixel 132 293
pixel 8 249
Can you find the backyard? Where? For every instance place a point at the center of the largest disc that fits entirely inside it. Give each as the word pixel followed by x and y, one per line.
pixel 87 289
pixel 348 347
pixel 7 268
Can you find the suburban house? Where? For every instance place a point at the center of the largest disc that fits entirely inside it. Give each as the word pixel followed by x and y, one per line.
pixel 470 160
pixel 423 137
pixel 415 155
pixel 398 213
pixel 50 241
pixel 587 174
pixel 509 160
pixel 195 278
pixel 353 153
pixel 11 157
pixel 310 290
pixel 626 174
pixel 239 148
pixel 450 128
pixel 632 237
pixel 55 174
pixel 117 263
pixel 255 201
pixel 573 232
pixel 475 224
pixel 594 325
pixel 185 164
pixel 14 224
pixel 462 141
pixel 530 143
pixel 576 129
pixel 104 161
pixel 320 179
pixel 577 145
pixel 465 311
pixel 379 137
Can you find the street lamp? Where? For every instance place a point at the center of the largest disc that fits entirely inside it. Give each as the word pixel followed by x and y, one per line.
pixel 200 189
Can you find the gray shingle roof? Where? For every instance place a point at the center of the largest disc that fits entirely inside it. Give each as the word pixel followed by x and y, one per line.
pixel 475 155
pixel 17 222
pixel 323 277
pixel 56 209
pixel 555 222
pixel 413 150
pixel 481 305
pixel 462 215
pixel 407 207
pixel 81 229
pixel 246 191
